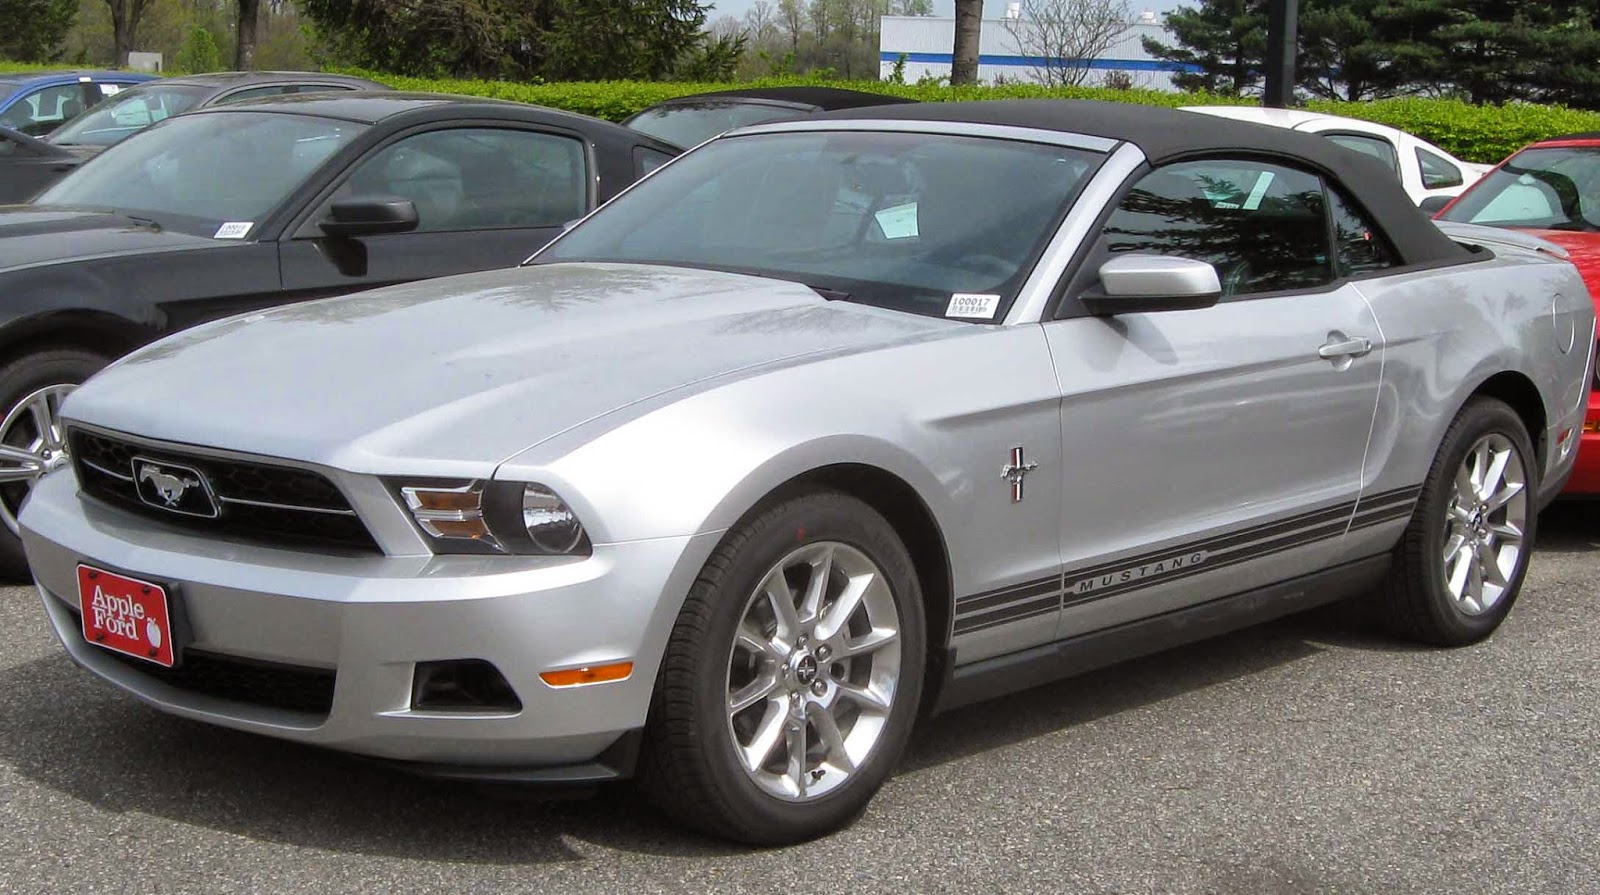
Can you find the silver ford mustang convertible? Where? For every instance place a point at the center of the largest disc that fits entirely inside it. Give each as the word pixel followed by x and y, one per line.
pixel 825 424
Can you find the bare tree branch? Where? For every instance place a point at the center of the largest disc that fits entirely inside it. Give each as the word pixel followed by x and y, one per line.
pixel 1065 36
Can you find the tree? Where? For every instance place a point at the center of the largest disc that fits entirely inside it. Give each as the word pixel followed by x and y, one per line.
pixel 32 30
pixel 125 18
pixel 244 53
pixel 1225 39
pixel 792 15
pixel 964 55
pixel 555 39
pixel 1344 52
pixel 199 52
pixel 1065 35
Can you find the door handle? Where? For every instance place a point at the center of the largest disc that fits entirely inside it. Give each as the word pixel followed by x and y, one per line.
pixel 1339 346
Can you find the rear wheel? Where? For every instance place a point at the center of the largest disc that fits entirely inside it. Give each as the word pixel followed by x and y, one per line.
pixel 1461 563
pixel 792 676
pixel 32 442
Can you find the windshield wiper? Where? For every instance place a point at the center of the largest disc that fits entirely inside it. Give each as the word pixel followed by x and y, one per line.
pixel 148 222
pixel 831 294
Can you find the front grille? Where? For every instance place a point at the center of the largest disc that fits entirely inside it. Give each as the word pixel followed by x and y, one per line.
pixel 254 501
pixel 291 688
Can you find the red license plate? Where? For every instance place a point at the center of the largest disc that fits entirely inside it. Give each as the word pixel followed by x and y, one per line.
pixel 126 615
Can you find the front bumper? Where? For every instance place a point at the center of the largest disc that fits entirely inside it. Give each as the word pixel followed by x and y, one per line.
pixel 1585 480
pixel 369 619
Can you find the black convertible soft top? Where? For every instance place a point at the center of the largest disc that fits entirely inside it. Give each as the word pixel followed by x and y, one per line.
pixel 1169 135
pixel 825 98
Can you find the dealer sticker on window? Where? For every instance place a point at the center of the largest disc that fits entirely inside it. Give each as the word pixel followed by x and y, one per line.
pixel 234 230
pixel 972 306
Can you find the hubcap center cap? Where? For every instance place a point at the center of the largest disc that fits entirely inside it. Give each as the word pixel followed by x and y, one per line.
pixel 805 669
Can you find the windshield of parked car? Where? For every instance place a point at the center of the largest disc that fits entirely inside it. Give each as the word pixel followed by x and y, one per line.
pixel 127 113
pixel 197 173
pixel 925 223
pixel 1545 189
pixel 690 124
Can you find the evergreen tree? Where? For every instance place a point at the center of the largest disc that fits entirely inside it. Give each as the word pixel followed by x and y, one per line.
pixel 1225 39
pixel 32 30
pixel 556 39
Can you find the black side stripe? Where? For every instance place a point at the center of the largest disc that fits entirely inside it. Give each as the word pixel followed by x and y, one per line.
pixel 1008 594
pixel 1017 602
pixel 1006 616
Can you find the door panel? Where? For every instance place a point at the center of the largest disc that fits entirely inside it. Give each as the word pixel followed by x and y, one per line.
pixel 485 197
pixel 1207 451
pixel 1211 451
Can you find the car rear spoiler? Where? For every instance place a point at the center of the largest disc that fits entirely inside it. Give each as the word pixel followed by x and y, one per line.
pixel 1496 237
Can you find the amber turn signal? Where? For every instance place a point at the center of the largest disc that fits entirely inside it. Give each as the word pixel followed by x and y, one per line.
pixel 589 674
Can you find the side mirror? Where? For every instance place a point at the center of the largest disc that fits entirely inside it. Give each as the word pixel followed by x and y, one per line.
pixel 1132 284
pixel 370 216
pixel 1434 204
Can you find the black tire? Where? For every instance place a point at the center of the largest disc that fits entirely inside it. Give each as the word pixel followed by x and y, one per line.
pixel 1414 602
pixel 19 379
pixel 689 766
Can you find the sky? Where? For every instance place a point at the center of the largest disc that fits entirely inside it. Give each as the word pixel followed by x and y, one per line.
pixel 992 8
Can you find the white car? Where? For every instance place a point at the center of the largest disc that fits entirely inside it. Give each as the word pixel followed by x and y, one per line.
pixel 1425 170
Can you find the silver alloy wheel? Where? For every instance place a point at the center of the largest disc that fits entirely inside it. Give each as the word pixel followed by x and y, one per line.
pixel 1484 524
pixel 813 671
pixel 31 444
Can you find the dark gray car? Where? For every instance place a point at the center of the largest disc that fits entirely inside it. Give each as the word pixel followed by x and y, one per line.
pixel 28 165
pixel 135 109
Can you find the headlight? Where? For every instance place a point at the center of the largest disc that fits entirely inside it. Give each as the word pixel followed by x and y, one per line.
pixel 494 518
pixel 549 522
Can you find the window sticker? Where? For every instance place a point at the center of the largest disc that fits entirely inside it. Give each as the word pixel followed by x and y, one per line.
pixel 899 222
pixel 234 230
pixel 1260 192
pixel 110 89
pixel 972 306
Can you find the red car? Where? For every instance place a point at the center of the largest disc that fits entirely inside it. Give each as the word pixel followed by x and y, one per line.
pixel 1550 189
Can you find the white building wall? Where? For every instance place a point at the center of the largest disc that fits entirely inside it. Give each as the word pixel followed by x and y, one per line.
pixel 926 42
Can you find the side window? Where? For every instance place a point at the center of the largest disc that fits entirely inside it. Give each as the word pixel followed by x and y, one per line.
pixel 255 93
pixel 317 88
pixel 1437 174
pixel 1359 246
pixel 1377 147
pixel 478 179
pixel 44 110
pixel 1262 226
pixel 646 160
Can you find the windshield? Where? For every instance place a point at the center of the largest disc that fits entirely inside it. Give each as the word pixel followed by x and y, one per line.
pixel 1543 189
pixel 127 113
pixel 900 220
pixel 690 124
pixel 197 173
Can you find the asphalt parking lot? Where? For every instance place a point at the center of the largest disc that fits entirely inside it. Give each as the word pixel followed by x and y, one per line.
pixel 1305 756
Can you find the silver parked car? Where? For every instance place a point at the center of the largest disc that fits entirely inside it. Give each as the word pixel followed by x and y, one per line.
pixel 823 423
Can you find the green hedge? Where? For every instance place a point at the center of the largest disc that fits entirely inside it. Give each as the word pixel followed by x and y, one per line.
pixel 1475 133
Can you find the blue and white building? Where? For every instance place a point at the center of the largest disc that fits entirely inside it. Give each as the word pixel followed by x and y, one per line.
pixel 926 41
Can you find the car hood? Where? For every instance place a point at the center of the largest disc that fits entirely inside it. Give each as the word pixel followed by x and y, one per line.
pixel 31 235
pixel 454 376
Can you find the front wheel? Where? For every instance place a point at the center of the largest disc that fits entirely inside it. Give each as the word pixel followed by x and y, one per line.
pixel 1461 562
pixel 792 676
pixel 32 442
